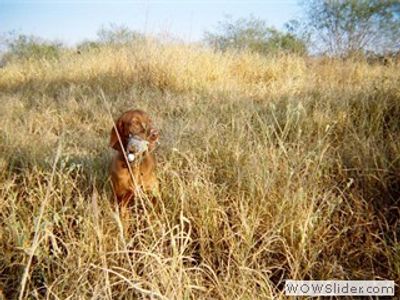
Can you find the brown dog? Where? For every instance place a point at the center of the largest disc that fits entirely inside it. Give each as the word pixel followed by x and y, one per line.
pixel 132 167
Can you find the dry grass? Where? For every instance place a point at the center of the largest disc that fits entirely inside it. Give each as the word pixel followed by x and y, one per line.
pixel 271 169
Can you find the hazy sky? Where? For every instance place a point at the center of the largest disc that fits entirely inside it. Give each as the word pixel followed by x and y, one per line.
pixel 73 21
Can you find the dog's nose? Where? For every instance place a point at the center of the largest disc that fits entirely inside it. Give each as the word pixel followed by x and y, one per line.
pixel 154 134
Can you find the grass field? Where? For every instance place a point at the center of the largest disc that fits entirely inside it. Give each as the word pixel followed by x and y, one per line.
pixel 271 168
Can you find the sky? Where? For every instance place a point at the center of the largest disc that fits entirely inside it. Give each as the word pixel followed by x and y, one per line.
pixel 74 21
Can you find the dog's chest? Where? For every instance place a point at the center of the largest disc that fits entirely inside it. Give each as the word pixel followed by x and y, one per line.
pixel 142 174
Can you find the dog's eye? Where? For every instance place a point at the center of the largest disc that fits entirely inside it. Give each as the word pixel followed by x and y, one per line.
pixel 135 129
pixel 135 125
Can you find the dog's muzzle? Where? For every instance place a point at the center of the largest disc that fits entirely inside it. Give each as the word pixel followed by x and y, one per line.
pixel 136 146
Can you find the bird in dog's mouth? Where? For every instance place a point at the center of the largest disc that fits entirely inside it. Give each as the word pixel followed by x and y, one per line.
pixel 136 146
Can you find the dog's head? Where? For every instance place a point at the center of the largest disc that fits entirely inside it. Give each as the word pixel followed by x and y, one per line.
pixel 133 124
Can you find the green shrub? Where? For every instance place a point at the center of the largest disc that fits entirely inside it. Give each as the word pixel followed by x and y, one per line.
pixel 26 47
pixel 88 46
pixel 254 35
pixel 114 36
pixel 118 35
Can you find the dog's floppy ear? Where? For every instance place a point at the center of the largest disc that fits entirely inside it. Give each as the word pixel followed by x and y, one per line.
pixel 116 131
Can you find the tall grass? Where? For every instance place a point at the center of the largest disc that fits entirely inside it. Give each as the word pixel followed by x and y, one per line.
pixel 271 168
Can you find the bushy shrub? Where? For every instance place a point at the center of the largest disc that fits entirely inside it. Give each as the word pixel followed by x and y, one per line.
pixel 118 35
pixel 254 35
pixel 111 36
pixel 29 46
pixel 88 45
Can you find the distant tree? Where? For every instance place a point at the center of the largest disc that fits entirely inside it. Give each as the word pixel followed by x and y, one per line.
pixel 254 35
pixel 118 35
pixel 21 46
pixel 343 27
pixel 88 45
pixel 111 35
